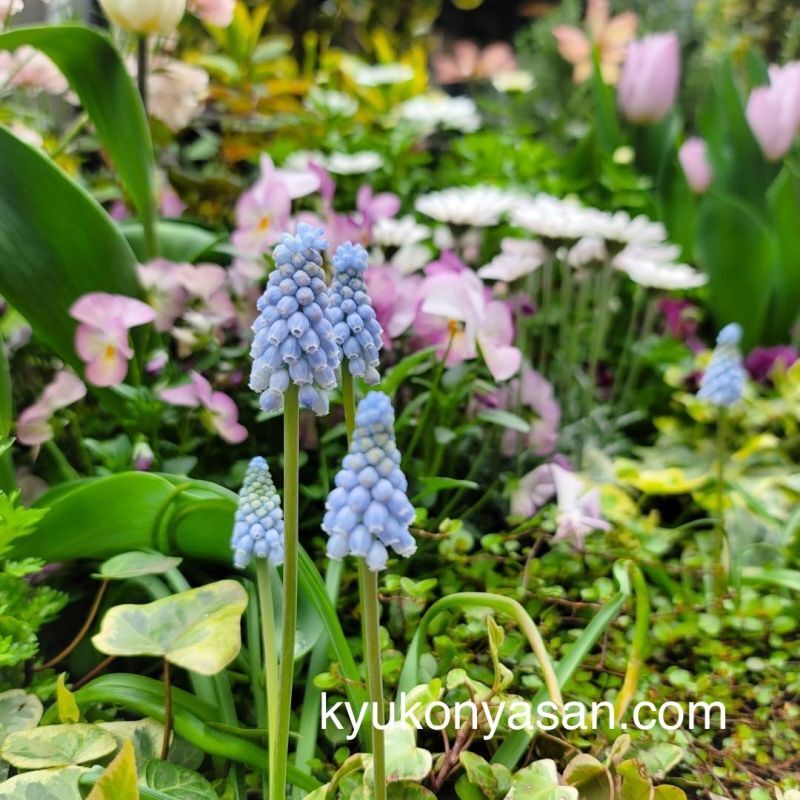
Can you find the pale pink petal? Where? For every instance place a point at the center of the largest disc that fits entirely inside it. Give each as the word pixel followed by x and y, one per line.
pixel 183 395
pixel 108 368
pixel 503 361
pixel 64 390
pixel 203 280
pixel 572 43
pixel 33 426
pixel 202 388
pixel 225 417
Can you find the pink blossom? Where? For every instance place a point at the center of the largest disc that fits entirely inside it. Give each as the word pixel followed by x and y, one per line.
pixel 220 411
pixel 101 339
pixel 693 156
pixel 469 61
pixel 214 12
pixel 374 207
pixel 395 298
pixel 177 91
pixel 29 68
pixel 459 317
pixel 171 204
pixel 33 424
pixel 578 509
pixel 650 76
pixel 262 214
pixel 763 361
pixel 165 290
pixel 534 491
pixel 773 111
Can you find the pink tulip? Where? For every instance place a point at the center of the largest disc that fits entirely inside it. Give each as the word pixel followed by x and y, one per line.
pixel 221 414
pixel 693 156
pixel 33 424
pixel 650 76
pixel 773 111
pixel 101 339
pixel 218 13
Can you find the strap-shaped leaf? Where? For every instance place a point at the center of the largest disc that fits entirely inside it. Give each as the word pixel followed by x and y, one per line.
pixel 97 74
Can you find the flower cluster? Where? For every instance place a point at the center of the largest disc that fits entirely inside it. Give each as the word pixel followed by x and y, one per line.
pixel 258 525
pixel 723 381
pixel 294 340
pixel 368 510
pixel 350 312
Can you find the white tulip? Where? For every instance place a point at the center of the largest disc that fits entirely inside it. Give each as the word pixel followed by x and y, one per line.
pixel 145 16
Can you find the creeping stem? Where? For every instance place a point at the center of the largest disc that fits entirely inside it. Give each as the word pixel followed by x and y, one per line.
pixel 291 480
pixel 372 649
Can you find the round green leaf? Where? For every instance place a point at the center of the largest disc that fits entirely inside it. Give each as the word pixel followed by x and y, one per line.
pixel 199 629
pixel 49 784
pixel 177 781
pixel 539 781
pixel 57 746
pixel 135 564
pixel 19 711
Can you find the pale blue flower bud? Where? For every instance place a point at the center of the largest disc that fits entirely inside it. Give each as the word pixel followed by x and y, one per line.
pixel 724 379
pixel 351 315
pixel 368 510
pixel 258 525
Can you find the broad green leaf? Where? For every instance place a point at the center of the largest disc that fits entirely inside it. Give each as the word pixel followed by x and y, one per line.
pixel 57 746
pixel 19 711
pixel 67 707
pixel 177 781
pixel 137 563
pixel 408 791
pixel 539 781
pixel 119 781
pixel 199 630
pixel 49 784
pixel 146 736
pixel 494 780
pixel 505 419
pixel 97 73
pixel 590 777
pixel 659 758
pixel 56 244
pixel 177 241
pixel 404 760
pixel 636 784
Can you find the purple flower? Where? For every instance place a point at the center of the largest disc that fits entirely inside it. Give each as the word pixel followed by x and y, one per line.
pixel 762 361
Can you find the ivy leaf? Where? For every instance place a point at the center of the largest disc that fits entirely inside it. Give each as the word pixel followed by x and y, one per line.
pixel 119 781
pixel 198 629
pixel 539 781
pixel 68 711
pixel 19 711
pixel 48 784
pixel 57 746
pixel 404 760
pixel 146 735
pixel 591 778
pixel 177 781
pixel 494 780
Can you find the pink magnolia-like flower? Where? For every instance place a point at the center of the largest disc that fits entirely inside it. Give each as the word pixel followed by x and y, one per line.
pixel 29 68
pixel 101 339
pixel 650 77
pixel 468 61
pixel 374 207
pixel 395 298
pixel 33 424
pixel 610 35
pixel 214 12
pixel 221 413
pixel 773 111
pixel 462 320
pixel 693 156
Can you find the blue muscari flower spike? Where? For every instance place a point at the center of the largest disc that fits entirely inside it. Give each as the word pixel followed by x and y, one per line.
pixel 350 311
pixel 724 379
pixel 369 510
pixel 294 340
pixel 258 525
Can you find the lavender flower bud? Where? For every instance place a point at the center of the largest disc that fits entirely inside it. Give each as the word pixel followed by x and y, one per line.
pixel 258 525
pixel 368 510
pixel 351 314
pixel 724 379
pixel 292 328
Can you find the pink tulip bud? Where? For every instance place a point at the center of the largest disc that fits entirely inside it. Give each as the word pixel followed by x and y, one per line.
pixel 693 156
pixel 650 76
pixel 773 111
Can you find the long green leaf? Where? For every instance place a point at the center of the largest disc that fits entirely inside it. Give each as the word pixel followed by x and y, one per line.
pixel 56 244
pixel 98 76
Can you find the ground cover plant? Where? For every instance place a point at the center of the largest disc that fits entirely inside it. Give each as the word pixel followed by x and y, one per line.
pixel 350 365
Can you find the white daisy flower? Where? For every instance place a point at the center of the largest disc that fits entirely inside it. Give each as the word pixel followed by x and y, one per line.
pixel 397 232
pixel 407 259
pixel 354 163
pixel 440 111
pixel 587 250
pixel 653 267
pixel 478 206
pixel 381 74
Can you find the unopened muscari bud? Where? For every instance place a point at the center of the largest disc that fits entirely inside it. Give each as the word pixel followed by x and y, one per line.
pixel 258 525
pixel 350 311
pixel 293 338
pixel 724 379
pixel 369 510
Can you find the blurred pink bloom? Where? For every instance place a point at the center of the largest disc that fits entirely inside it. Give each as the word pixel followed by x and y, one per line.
pixel 578 510
pixel 681 318
pixel 221 413
pixel 10 7
pixel 177 91
pixel 298 182
pixel 534 491
pixel 165 291
pixel 157 361
pixel 143 456
pixel 762 361
pixel 33 424
pixel 650 76
pixel 171 203
pixel 262 214
pixel 29 68
pixel 773 111
pixel 214 12
pixel 468 61
pixel 395 298
pixel 374 207
pixel 462 321
pixel 610 35
pixel 101 339
pixel 693 156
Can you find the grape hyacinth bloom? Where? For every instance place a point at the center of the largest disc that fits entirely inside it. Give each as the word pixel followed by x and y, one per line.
pixel 294 340
pixel 350 312
pixel 258 525
pixel 724 380
pixel 369 510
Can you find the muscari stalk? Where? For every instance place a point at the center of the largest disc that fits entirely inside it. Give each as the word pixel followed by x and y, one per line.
pixel 722 385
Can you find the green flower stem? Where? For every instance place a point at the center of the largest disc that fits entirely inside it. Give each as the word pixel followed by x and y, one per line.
pixel 626 357
pixel 721 554
pixel 291 503
pixel 368 582
pixel 167 711
pixel 648 325
pixel 641 633
pixel 544 309
pixel 349 402
pixel 270 653
pixel 66 469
